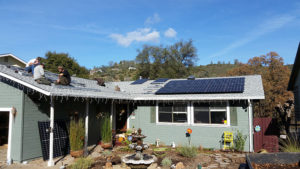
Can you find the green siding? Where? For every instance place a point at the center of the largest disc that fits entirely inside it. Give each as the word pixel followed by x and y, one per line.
pixel 38 110
pixel 12 97
pixel 209 137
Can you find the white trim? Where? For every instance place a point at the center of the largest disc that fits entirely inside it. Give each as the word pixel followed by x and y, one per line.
pixel 15 57
pixel 228 113
pixel 8 155
pixel 128 116
pixel 50 161
pixel 25 84
pixel 86 127
pixel 250 109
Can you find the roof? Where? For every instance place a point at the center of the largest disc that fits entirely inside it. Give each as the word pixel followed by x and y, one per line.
pixel 253 89
pixel 85 88
pixel 13 56
pixel 295 70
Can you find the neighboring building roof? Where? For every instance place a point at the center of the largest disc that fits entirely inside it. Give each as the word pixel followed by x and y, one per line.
pixel 85 88
pixel 295 70
pixel 13 56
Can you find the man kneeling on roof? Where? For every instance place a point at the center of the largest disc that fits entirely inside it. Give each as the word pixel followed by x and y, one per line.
pixel 64 77
pixel 39 75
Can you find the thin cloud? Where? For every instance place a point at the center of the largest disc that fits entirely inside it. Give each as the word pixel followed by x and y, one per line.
pixel 170 33
pixel 139 35
pixel 268 26
pixel 89 28
pixel 152 19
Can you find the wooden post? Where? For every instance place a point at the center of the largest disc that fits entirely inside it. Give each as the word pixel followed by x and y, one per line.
pixel 86 152
pixel 250 125
pixel 51 162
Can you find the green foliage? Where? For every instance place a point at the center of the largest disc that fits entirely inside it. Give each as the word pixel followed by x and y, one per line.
pixel 166 162
pixel 175 61
pixel 290 144
pixel 53 60
pixel 82 163
pixel 76 134
pixel 239 141
pixel 187 151
pixel 106 133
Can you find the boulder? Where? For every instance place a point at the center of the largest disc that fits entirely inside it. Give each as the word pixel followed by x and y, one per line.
pixel 180 166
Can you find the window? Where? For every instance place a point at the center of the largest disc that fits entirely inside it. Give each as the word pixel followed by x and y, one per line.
pixel 172 112
pixel 205 113
pixel 6 59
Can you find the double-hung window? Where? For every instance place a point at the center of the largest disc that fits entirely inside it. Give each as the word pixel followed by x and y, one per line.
pixel 205 113
pixel 172 112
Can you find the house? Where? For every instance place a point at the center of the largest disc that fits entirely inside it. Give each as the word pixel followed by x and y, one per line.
pixel 10 59
pixel 294 84
pixel 164 109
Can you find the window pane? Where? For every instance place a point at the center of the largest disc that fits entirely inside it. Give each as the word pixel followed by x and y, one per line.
pixel 180 107
pixel 179 118
pixel 165 117
pixel 165 108
pixel 218 117
pixel 218 106
pixel 165 112
pixel 201 114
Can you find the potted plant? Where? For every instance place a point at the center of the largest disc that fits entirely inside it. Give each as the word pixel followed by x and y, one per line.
pixel 76 136
pixel 106 132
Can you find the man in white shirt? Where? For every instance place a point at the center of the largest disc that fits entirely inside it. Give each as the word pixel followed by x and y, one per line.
pixel 39 75
pixel 31 64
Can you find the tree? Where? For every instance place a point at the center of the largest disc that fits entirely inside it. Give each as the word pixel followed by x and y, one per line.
pixel 53 60
pixel 275 78
pixel 175 61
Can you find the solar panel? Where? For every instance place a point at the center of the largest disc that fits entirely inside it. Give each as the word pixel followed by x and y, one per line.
pixel 140 81
pixel 160 80
pixel 61 138
pixel 220 85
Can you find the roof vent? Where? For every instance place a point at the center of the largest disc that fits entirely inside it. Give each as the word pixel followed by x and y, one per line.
pixel 191 77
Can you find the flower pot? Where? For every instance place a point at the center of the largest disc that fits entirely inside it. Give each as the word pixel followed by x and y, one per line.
pixel 76 154
pixel 106 145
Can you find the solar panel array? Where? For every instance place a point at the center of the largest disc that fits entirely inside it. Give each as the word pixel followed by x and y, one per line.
pixel 220 85
pixel 61 138
pixel 160 80
pixel 140 81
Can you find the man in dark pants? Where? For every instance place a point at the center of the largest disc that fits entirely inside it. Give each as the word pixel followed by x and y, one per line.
pixel 64 77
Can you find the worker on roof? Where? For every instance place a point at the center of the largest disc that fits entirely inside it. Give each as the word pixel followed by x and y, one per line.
pixel 32 64
pixel 64 77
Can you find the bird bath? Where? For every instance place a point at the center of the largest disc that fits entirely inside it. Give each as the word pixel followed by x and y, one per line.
pixel 138 159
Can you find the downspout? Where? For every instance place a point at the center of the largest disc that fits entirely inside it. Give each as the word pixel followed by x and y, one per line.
pixel 50 161
pixel 86 128
pixel 250 112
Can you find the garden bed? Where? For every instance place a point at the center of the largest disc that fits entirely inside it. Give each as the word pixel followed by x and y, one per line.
pixel 273 161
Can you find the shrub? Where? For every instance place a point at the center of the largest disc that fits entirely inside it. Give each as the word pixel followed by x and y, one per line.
pixel 290 144
pixel 82 163
pixel 239 141
pixel 106 133
pixel 76 134
pixel 166 162
pixel 187 151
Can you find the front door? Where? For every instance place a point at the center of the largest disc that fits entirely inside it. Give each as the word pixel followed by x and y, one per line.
pixel 121 118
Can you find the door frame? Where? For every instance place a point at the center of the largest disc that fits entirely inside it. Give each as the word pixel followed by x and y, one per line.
pixel 9 110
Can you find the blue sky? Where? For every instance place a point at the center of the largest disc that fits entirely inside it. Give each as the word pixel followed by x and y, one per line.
pixel 95 32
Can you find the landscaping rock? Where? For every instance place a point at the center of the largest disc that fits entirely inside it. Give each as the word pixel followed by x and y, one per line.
pixel 95 154
pixel 180 165
pixel 98 149
pixel 108 165
pixel 152 166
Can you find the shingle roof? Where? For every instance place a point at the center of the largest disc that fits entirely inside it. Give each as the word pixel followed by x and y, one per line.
pixel 85 88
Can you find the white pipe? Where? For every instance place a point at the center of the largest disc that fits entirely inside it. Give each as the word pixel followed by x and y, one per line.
pixel 128 115
pixel 9 161
pixel 86 128
pixel 51 162
pixel 250 126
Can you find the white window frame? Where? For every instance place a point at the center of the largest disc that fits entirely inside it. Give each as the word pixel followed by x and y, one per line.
pixel 208 124
pixel 171 123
